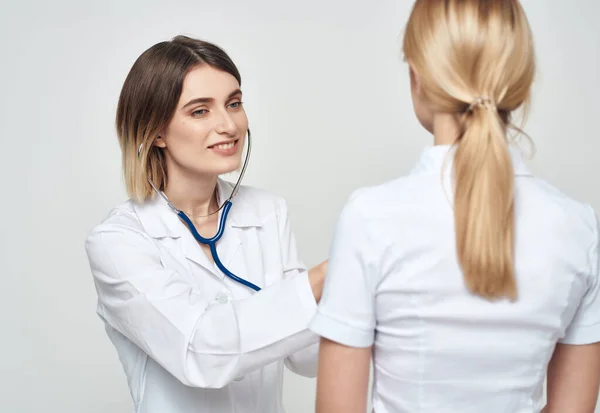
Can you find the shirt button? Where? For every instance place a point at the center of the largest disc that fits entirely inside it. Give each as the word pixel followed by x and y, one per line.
pixel 239 378
pixel 222 298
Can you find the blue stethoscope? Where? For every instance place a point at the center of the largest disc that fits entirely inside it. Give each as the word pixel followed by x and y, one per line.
pixel 212 242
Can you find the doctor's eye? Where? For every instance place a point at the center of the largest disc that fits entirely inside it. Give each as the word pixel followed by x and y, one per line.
pixel 235 105
pixel 199 112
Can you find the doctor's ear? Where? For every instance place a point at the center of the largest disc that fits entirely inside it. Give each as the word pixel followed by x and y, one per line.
pixel 159 142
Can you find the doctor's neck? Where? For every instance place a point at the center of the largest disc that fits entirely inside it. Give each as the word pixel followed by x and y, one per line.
pixel 194 195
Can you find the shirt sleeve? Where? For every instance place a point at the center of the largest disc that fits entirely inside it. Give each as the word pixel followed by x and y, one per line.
pixel 585 326
pixel 199 341
pixel 346 311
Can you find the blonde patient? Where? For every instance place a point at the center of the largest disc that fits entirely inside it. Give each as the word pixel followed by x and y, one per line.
pixel 470 280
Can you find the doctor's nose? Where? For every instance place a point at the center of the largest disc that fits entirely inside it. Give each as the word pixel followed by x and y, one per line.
pixel 226 124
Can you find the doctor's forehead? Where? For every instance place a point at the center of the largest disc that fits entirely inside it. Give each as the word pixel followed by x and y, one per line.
pixel 207 82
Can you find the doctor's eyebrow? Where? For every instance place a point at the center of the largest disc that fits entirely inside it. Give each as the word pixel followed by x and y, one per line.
pixel 210 100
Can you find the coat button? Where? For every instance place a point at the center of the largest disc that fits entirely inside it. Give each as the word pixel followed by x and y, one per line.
pixel 222 298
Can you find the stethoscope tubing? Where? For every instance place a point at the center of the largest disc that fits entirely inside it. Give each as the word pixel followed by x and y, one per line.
pixel 212 242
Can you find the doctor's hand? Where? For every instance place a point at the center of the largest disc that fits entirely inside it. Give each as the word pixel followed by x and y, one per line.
pixel 316 277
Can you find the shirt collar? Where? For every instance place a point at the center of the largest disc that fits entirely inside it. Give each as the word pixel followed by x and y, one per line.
pixel 159 220
pixel 439 159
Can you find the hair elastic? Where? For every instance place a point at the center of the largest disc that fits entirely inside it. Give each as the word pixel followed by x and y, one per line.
pixel 481 101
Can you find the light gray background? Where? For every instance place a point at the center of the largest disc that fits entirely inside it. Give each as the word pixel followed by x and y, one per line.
pixel 328 100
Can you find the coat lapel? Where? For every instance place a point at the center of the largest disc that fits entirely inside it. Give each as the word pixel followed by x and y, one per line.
pixel 160 222
pixel 243 214
pixel 193 252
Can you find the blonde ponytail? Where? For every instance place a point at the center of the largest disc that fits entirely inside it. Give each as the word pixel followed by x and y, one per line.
pixel 484 204
pixel 475 60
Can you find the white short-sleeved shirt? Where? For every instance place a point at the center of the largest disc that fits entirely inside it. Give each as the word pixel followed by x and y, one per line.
pixel 394 282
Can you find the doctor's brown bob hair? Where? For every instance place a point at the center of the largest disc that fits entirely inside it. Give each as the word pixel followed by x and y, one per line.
pixel 147 103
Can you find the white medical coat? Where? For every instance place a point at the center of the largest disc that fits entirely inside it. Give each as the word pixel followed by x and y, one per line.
pixel 189 338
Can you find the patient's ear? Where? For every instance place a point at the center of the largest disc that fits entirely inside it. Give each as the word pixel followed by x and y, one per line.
pixel 421 107
pixel 415 81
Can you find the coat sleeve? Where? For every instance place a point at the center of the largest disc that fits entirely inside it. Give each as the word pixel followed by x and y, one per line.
pixel 305 361
pixel 201 342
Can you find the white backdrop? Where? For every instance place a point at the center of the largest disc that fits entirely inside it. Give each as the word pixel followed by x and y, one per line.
pixel 328 101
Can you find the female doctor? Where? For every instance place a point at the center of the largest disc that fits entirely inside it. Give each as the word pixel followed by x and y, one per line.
pixel 198 327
